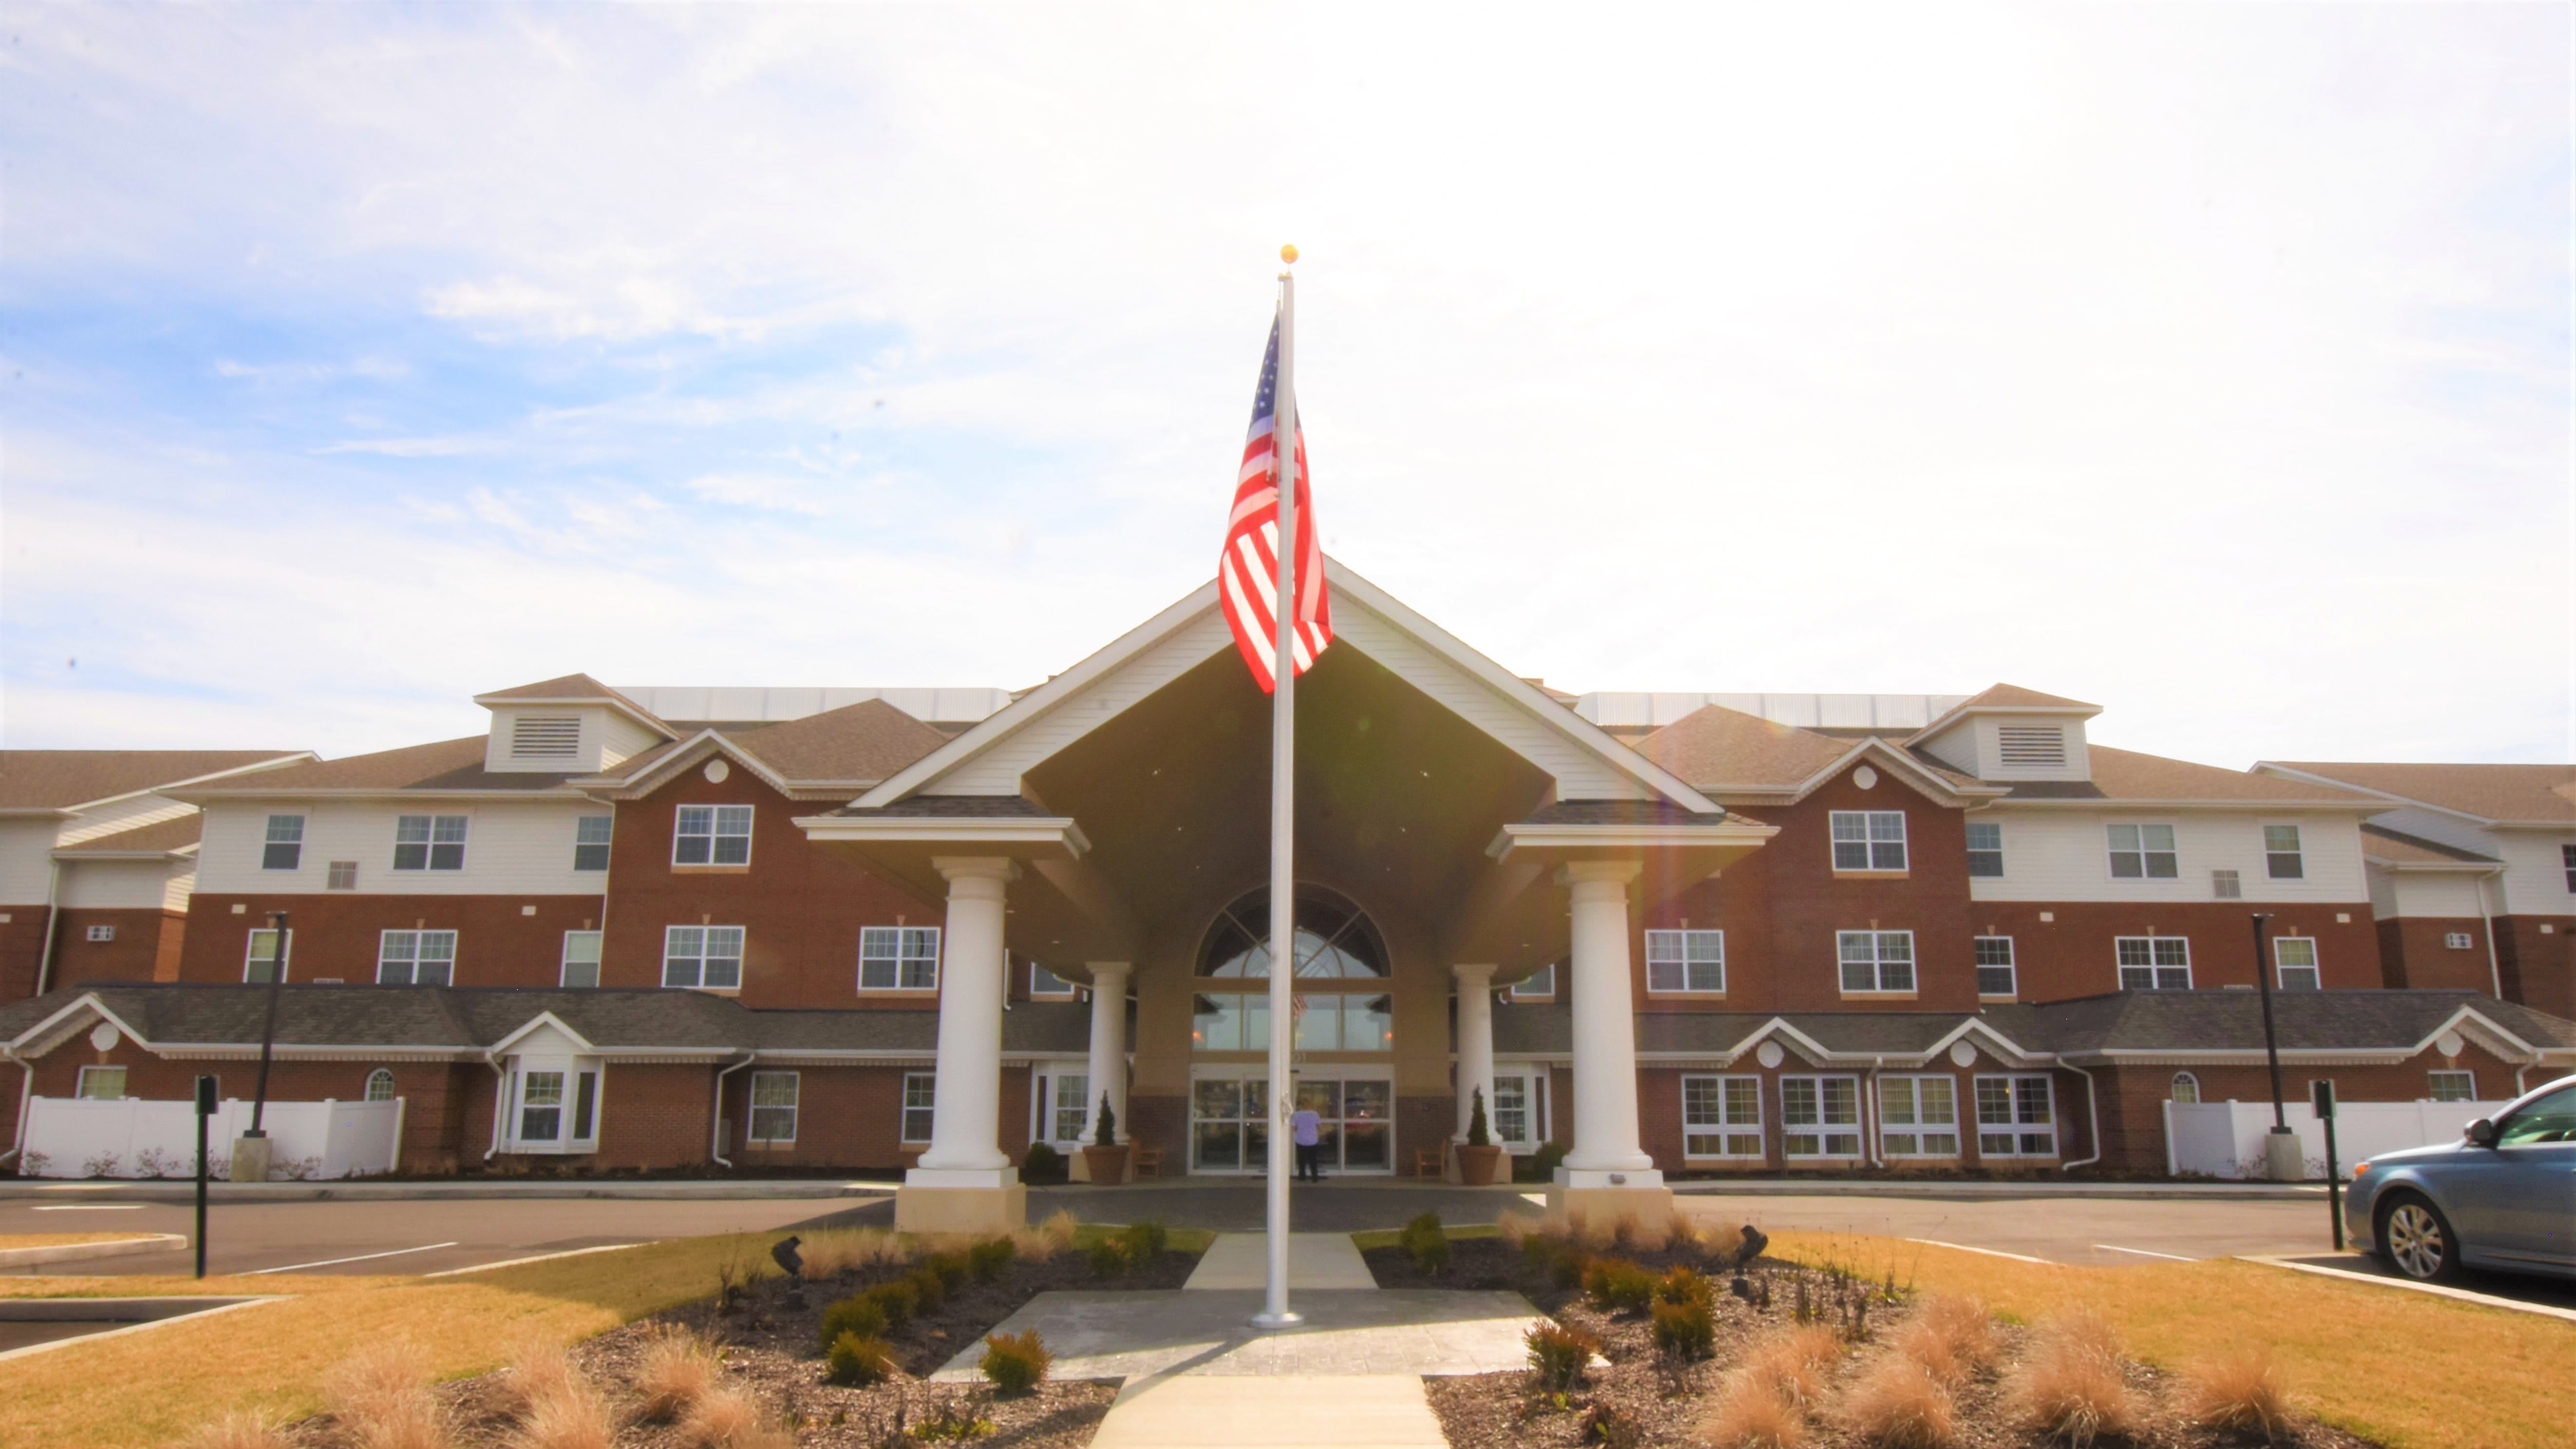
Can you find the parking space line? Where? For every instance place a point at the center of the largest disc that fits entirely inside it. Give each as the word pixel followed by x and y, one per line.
pixel 89 1207
pixel 2483 1300
pixel 2144 1253
pixel 361 1258
pixel 539 1258
pixel 1989 1252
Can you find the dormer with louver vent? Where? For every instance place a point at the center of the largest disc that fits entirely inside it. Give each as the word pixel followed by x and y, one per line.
pixel 569 726
pixel 2011 733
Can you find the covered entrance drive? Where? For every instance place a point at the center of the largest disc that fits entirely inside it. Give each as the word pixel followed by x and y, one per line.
pixel 1457 830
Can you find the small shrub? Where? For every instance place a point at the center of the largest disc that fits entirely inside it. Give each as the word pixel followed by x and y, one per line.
pixel 1897 1405
pixel 1618 1286
pixel 1558 1354
pixel 1146 1240
pixel 1043 1165
pixel 860 1315
pixel 901 1300
pixel 859 1359
pixel 152 1162
pixel 1683 1285
pixel 929 1288
pixel 35 1164
pixel 952 1267
pixel 675 1370
pixel 1429 1246
pixel 2245 1393
pixel 2068 1384
pixel 991 1258
pixel 1109 1256
pixel 1015 1363
pixel 1567 1265
pixel 950 1423
pixel 1540 1166
pixel 103 1164
pixel 1685 1330
pixel 239 1431
pixel 1611 1427
pixel 1749 1415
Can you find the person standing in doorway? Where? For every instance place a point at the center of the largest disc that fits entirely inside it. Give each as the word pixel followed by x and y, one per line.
pixel 1306 1129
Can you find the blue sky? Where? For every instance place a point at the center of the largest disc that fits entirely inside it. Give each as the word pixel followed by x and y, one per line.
pixel 2210 363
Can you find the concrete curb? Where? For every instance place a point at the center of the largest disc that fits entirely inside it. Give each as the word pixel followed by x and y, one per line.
pixel 111 1310
pixel 74 1252
pixel 2205 1192
pixel 2439 1290
pixel 252 1192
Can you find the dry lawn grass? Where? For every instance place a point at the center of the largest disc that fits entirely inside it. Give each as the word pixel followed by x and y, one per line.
pixel 150 1389
pixel 2409 1370
pixel 238 1430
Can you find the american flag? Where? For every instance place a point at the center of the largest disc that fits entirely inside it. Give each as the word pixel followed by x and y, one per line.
pixel 1248 568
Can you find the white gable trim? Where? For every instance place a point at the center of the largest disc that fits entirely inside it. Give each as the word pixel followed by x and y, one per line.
pixel 541 1020
pixel 688 752
pixel 55 1029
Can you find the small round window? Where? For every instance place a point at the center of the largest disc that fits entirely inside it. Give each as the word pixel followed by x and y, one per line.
pixel 1334 938
pixel 380 1085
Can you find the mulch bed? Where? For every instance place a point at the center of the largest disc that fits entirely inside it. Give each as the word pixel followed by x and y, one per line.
pixel 1666 1400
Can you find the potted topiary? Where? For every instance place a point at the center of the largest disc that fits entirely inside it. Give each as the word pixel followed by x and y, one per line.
pixel 1480 1160
pixel 1106 1156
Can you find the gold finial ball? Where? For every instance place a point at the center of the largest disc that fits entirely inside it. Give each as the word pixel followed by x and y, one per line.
pixel 1288 253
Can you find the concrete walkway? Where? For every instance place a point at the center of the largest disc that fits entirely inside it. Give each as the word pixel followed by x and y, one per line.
pixel 1315 1260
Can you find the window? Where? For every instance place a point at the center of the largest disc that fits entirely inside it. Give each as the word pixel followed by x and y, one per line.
pixel 541 1103
pixel 2281 853
pixel 1918 1117
pixel 1072 1110
pixel 285 847
pixel 102 1084
pixel 380 1085
pixel 429 842
pixel 899 958
pixel 581 960
pixel 1820 1116
pixel 2186 1088
pixel 920 1092
pixel 2459 940
pixel 343 876
pixel 2295 957
pixel 2154 963
pixel 1043 982
pixel 1520 1107
pixel 262 953
pixel 1539 983
pixel 1324 1023
pixel 1226 1023
pixel 1721 1116
pixel 2014 1117
pixel 773 1107
pixel 1869 839
pixel 2143 852
pixel 1995 966
pixel 590 841
pixel 1685 960
pixel 416 958
pixel 2567 859
pixel 1877 960
pixel 543 737
pixel 2551 1119
pixel 1985 849
pixel 707 957
pixel 2226 885
pixel 712 835
pixel 2031 747
pixel 102 933
pixel 1333 938
pixel 2453 1086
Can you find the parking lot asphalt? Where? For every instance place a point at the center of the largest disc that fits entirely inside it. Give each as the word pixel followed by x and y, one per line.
pixel 2095 1231
pixel 399 1237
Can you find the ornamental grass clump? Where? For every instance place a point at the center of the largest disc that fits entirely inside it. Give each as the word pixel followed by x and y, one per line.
pixel 1646 1234
pixel 1015 1363
pixel 1618 1286
pixel 989 1259
pixel 2243 1393
pixel 1790 1363
pixel 862 1314
pixel 859 1359
pixel 381 1398
pixel 538 1371
pixel 676 1369
pixel 1747 1415
pixel 1515 1229
pixel 728 1419
pixel 1951 1338
pixel 1898 1404
pixel 571 1417
pixel 2069 1383
pixel 1559 1353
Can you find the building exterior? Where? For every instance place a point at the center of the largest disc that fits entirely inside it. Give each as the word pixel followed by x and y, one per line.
pixel 666 929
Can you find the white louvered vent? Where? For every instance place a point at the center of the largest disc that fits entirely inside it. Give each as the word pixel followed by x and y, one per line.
pixel 2031 746
pixel 2224 885
pixel 545 737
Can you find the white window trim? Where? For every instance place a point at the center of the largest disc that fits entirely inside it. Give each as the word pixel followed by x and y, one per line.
pixel 2298 854
pixel 251 956
pixel 1071 989
pixel 80 1084
pixel 2144 877
pixel 1758 1128
pixel 2431 1078
pixel 701 958
pixel 1920 1129
pixel 2117 967
pixel 1518 992
pixel 579 844
pixel 563 1143
pixel 904 1108
pixel 429 848
pixel 2018 1128
pixel 1858 1127
pixel 1044 1105
pixel 1878 965
pixel 1869 842
pixel 367 1092
pixel 715 817
pixel 566 963
pixel 938 960
pixel 2003 859
pixel 752 1108
pixel 1683 939
pixel 1533 1077
pixel 302 824
pixel 2281 970
pixel 2176 1084
pixel 385 938
pixel 2012 964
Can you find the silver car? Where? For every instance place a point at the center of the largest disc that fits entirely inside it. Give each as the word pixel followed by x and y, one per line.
pixel 2503 1197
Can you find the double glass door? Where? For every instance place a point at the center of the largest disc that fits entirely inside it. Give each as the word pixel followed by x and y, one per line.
pixel 1230 1124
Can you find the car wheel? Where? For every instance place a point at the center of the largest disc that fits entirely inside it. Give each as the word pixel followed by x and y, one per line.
pixel 2417 1240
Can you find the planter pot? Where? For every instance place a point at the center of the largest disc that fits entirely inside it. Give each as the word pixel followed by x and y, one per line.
pixel 1108 1164
pixel 1480 1166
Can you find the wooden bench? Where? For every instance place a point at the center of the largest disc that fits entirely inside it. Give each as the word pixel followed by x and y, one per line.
pixel 1431 1162
pixel 1148 1161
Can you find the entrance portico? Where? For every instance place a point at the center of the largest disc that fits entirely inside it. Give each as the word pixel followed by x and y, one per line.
pixel 1458 830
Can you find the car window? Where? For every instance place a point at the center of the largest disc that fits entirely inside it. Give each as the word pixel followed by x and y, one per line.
pixel 2551 1119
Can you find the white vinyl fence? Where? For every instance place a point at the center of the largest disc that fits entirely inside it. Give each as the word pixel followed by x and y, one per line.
pixel 130 1137
pixel 2225 1139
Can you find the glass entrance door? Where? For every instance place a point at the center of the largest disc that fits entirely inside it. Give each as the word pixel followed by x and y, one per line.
pixel 1229 1125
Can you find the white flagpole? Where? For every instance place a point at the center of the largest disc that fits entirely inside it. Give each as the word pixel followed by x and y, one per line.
pixel 1283 809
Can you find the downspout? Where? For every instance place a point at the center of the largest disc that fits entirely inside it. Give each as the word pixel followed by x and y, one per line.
pixel 500 1102
pixel 2486 925
pixel 2092 1119
pixel 715 1117
pixel 54 921
pixel 1869 1114
pixel 26 1093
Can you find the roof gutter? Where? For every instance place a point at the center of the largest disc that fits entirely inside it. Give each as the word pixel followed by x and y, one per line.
pixel 500 1102
pixel 715 1114
pixel 2486 924
pixel 54 922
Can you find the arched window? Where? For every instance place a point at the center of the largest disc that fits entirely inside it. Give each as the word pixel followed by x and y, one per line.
pixel 2186 1087
pixel 380 1085
pixel 1334 938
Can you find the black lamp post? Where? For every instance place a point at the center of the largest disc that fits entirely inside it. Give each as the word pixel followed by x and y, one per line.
pixel 2273 1153
pixel 268 1028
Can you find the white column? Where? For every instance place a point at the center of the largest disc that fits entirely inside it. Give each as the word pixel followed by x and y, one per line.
pixel 1475 1042
pixel 1605 1039
pixel 965 1119
pixel 1108 1049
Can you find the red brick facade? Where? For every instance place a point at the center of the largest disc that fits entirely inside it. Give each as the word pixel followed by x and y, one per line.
pixel 2533 953
pixel 144 945
pixel 500 940
pixel 2416 951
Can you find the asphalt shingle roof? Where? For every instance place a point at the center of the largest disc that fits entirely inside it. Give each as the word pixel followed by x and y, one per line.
pixel 55 779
